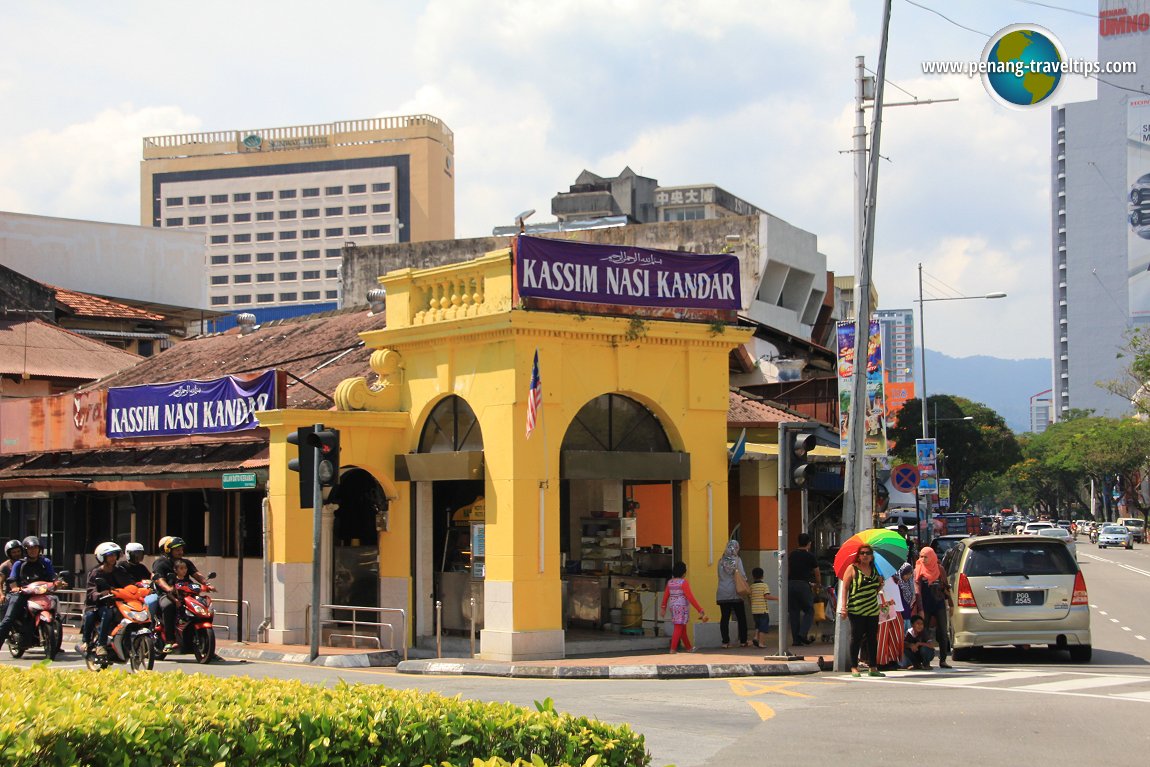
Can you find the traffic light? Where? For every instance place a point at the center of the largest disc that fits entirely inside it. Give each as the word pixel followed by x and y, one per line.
pixel 327 470
pixel 793 454
pixel 304 464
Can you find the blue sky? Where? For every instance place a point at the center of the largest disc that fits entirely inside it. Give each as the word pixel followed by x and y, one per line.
pixel 753 95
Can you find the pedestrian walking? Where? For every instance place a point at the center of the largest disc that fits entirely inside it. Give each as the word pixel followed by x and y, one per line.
pixel 760 595
pixel 678 595
pixel 802 575
pixel 861 584
pixel 934 594
pixel 732 588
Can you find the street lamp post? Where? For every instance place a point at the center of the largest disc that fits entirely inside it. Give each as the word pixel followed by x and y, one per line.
pixel 922 338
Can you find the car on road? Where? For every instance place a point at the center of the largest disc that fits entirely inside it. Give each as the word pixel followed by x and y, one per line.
pixel 1115 535
pixel 1018 590
pixel 944 544
pixel 1136 526
pixel 1062 535
pixel 1032 528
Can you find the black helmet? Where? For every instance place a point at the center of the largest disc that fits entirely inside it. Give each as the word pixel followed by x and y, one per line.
pixel 31 541
pixel 12 544
pixel 174 542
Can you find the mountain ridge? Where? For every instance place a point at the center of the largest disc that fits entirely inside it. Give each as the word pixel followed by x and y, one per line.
pixel 1004 385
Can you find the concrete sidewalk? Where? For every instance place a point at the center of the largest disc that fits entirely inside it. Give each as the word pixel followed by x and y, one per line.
pixel 705 663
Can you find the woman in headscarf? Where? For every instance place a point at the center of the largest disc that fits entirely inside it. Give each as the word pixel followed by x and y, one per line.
pixel 906 588
pixel 727 595
pixel 934 592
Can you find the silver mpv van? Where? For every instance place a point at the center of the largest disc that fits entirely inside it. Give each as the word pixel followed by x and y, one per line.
pixel 1018 590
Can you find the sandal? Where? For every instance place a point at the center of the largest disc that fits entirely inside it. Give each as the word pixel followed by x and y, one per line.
pixel 727 646
pixel 746 644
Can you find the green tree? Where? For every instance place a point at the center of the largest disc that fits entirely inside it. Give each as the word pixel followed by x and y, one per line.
pixel 983 445
pixel 1112 452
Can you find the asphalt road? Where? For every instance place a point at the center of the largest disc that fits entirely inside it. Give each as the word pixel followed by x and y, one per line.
pixel 1011 706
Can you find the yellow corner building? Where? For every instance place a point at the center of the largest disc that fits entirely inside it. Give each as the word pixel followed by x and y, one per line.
pixel 567 532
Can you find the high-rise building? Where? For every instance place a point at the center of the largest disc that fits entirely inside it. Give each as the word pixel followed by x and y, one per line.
pixel 1041 411
pixel 897 344
pixel 1098 251
pixel 278 206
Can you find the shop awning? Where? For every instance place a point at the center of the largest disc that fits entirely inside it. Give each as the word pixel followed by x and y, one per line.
pixel 770 449
pixel 622 465
pixel 153 466
pixel 431 467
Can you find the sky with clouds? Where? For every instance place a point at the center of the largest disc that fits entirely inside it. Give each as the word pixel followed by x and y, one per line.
pixel 753 95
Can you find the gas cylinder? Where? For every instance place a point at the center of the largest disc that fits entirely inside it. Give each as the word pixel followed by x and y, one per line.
pixel 632 613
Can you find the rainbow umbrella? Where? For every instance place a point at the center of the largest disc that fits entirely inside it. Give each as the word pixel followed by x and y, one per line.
pixel 890 551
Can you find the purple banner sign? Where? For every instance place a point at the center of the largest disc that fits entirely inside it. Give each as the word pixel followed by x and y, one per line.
pixel 189 407
pixel 617 274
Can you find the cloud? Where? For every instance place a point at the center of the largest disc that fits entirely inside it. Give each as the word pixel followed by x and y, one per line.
pixel 88 170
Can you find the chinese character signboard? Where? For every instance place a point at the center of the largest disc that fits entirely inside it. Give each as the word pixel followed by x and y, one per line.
pixel 190 407
pixel 875 426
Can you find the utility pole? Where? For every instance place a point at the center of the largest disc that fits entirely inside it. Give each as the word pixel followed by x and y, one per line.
pixel 853 508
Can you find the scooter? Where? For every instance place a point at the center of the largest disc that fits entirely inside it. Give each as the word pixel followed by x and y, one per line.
pixel 194 632
pixel 40 624
pixel 132 640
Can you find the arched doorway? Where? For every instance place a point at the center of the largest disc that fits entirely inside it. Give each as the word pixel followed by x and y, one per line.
pixel 619 513
pixel 361 509
pixel 447 475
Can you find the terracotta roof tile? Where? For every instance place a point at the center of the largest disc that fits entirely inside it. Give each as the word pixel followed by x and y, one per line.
pixel 744 411
pixel 321 349
pixel 125 459
pixel 41 349
pixel 84 305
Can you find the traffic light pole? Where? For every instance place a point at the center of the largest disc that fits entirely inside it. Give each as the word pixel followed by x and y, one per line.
pixel 317 532
pixel 784 482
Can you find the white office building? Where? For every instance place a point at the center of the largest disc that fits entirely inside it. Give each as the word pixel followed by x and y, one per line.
pixel 1100 253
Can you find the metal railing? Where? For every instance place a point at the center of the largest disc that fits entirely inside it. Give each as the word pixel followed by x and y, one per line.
pixel 245 605
pixel 71 605
pixel 354 624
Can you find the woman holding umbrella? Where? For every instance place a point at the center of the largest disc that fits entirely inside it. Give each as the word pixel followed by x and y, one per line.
pixel 862 584
pixel 863 563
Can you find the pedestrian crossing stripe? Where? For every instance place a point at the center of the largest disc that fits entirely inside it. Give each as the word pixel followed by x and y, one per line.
pixel 1105 686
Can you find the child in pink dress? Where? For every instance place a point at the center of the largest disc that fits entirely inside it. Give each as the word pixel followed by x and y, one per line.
pixel 678 595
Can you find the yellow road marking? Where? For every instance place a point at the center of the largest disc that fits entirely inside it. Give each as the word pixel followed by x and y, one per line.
pixel 764 711
pixel 745 689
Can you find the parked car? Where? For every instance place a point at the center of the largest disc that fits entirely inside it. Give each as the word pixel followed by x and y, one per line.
pixel 1136 526
pixel 1021 591
pixel 1062 535
pixel 944 544
pixel 1032 528
pixel 1115 535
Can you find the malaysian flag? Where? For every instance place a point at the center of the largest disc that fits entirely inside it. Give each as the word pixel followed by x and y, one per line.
pixel 534 397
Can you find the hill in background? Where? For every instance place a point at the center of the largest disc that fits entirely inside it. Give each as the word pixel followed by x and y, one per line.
pixel 1003 385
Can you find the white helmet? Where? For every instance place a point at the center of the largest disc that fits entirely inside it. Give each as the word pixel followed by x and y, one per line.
pixel 106 548
pixel 134 548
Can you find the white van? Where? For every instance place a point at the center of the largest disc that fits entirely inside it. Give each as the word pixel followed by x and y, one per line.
pixel 901 516
pixel 1137 527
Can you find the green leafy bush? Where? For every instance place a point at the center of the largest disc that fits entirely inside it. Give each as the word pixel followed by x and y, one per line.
pixel 153 720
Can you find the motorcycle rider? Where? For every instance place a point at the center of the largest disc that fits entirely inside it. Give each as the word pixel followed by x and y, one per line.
pixel 32 567
pixel 133 565
pixel 14 550
pixel 101 580
pixel 164 576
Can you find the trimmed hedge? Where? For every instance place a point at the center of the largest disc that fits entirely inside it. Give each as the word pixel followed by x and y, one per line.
pixel 65 718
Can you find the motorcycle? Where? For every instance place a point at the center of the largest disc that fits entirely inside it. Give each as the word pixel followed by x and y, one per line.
pixel 194 632
pixel 40 624
pixel 132 640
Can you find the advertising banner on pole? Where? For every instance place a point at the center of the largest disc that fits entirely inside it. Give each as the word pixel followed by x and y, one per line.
pixel 926 454
pixel 944 493
pixel 875 427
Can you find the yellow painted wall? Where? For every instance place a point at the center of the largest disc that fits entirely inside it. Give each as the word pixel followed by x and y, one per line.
pixel 481 349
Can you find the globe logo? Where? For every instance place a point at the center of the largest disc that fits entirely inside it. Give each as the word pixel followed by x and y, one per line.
pixel 1023 65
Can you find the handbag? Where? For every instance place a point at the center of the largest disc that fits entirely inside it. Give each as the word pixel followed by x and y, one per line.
pixel 742 588
pixel 820 611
